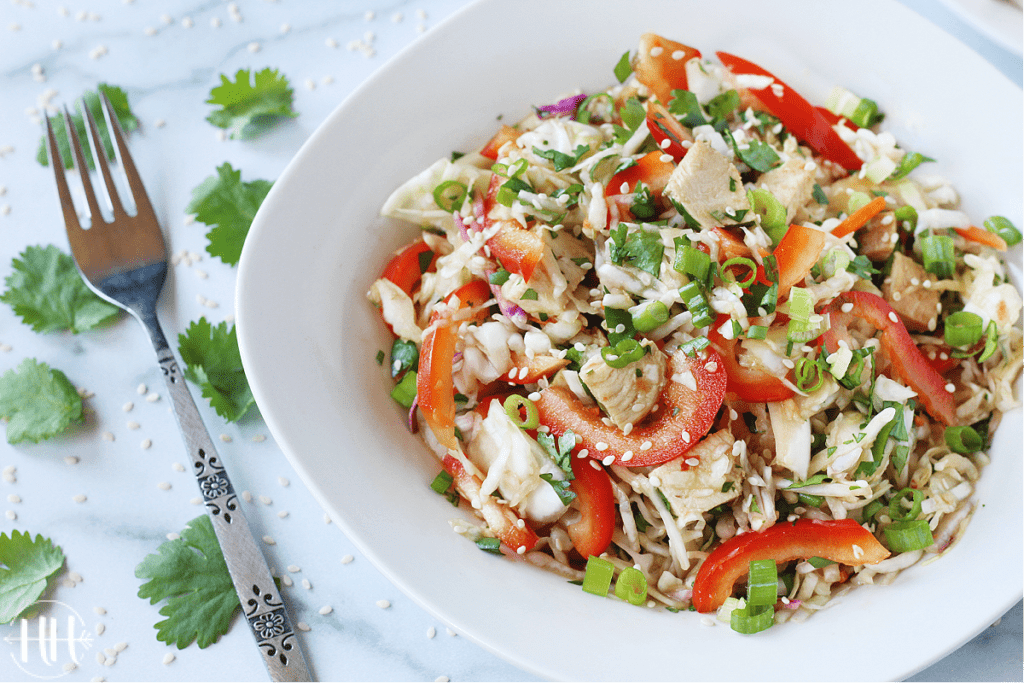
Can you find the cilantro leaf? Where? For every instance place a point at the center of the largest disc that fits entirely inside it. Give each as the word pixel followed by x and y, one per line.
pixel 46 290
pixel 191 575
pixel 686 108
pixel 641 249
pixel 623 68
pixel 561 487
pixel 561 160
pixel 252 103
pixel 29 563
pixel 560 451
pixel 214 363
pixel 124 114
pixel 228 205
pixel 38 401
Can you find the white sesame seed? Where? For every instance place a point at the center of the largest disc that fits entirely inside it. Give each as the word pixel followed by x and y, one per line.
pixel 686 436
pixel 172 536
pixel 178 467
pixel 692 462
pixel 215 22
pixel 146 443
pixel 259 438
pixel 306 584
pixel 327 518
pixel 246 496
pixel 168 658
pixel 897 296
pixel 331 42
pixel 294 568
pixel 80 498
pixel 383 604
pixel 14 498
pixel 285 28
pixel 196 501
pixel 431 632
pixel 287 580
pixel 266 500
pixel 282 514
pixel 678 54
pixel 253 47
pixel 107 436
pixel 893 317
pixel 347 559
pixel 608 460
pixel 225 438
pixel 656 51
pixel 326 609
pixel 141 389
pixel 601 446
pixel 951 387
pixel 164 485
pixel 282 481
pixel 100 658
pixel 269 540
pixel 100 628
pixel 303 626
pixel 127 407
pixel 11 515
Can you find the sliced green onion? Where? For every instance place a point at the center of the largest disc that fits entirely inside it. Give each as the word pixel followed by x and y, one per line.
pixel 898 513
pixel 857 200
pixel 908 163
pixel 757 332
pixel 991 339
pixel 695 301
pixel 906 214
pixel 441 482
pixel 741 262
pixel 811 500
pixel 631 586
pixel 598 576
pixel 865 114
pixel 653 316
pixel 801 304
pixel 762 583
pixel 870 510
pixel 1004 228
pixel 938 255
pixel 819 562
pixel 692 262
pixel 517 168
pixel 489 545
pixel 964 440
pixel 583 110
pixel 806 371
pixel 835 261
pixel 751 619
pixel 512 405
pixel 771 211
pixel 622 354
pixel 904 537
pixel 405 391
pixel 450 194
pixel 963 328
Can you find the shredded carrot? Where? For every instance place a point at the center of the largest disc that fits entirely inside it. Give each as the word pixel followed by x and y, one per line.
pixel 856 220
pixel 982 236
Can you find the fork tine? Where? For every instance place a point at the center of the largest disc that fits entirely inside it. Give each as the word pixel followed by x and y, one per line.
pixel 74 228
pixel 83 169
pixel 100 155
pixel 142 205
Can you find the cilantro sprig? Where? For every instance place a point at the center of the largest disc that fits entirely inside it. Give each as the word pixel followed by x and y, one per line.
pixel 251 103
pixel 38 401
pixel 27 564
pixel 191 575
pixel 125 117
pixel 214 363
pixel 228 206
pixel 560 451
pixel 47 292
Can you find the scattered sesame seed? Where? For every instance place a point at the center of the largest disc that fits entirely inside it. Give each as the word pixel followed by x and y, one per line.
pixel 608 460
pixel 893 317
pixel 282 514
pixel 99 610
pixel 80 498
pixel 173 536
pixel 306 584
pixel 187 22
pixel 259 438
pixel 196 501
pixel 294 568
pixel 269 540
pixel 100 658
pixel 383 604
pixel 11 515
pixel 441 679
pixel 326 609
pixel 69 667
pixel 331 42
pixel 951 387
pixel 178 467
pixel 282 481
pixel 327 518
pixel 451 632
pixel 254 47
pixel 164 486
pixel 225 438
pixel 397 17
pixel 14 498
pixel 286 580
pixel 266 500
pixel 303 626
pixel 108 436
pixel 168 658
pixel 100 628
pixel 127 407
pixel 146 443
pixel 121 647
pixel 132 424
pixel 601 446
pixel 215 22
pixel 347 559
pixel 246 496
pixel 431 632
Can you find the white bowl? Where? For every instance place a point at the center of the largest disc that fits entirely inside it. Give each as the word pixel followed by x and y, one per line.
pixel 309 337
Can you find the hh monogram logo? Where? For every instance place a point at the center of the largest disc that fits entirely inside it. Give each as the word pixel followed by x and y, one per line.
pixel 41 650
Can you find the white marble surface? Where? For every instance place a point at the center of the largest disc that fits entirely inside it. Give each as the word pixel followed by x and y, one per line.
pixel 128 512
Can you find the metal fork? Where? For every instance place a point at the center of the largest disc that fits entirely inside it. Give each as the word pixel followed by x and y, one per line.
pixel 125 262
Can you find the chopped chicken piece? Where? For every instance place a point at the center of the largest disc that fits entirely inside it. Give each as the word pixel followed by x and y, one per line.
pixel 877 239
pixel 917 306
pixel 792 437
pixel 699 488
pixel 708 186
pixel 792 183
pixel 626 394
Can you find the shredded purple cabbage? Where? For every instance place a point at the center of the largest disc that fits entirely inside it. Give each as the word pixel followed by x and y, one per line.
pixel 567 105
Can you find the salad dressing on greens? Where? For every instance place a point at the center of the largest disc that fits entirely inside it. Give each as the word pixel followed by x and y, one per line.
pixel 697 342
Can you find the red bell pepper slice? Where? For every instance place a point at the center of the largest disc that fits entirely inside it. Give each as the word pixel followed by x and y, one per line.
pixel 406 267
pixel 839 540
pixel 592 534
pixel 435 389
pixel 501 519
pixel 649 170
pixel 517 249
pixel 749 384
pixel 683 418
pixel 536 367
pixel 834 118
pixel 664 126
pixel 906 359
pixel 796 114
pixel 665 69
pixel 504 134
pixel 796 254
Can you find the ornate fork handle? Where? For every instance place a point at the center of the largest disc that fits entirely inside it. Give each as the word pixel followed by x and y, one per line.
pixel 261 603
